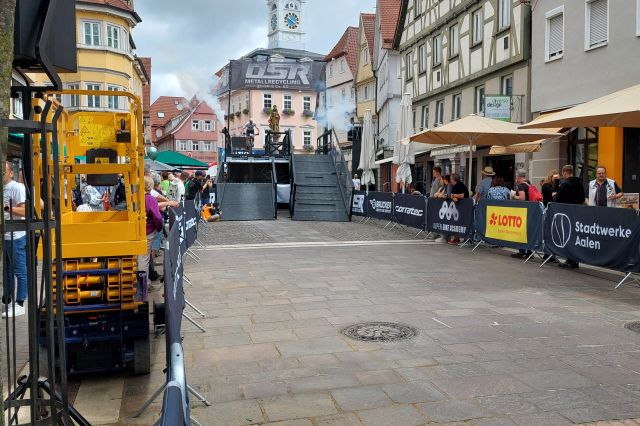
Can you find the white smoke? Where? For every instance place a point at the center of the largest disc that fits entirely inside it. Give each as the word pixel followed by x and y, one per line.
pixel 202 84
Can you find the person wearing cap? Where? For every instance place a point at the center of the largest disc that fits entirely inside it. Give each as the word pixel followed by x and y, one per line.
pixel 485 184
pixel 195 185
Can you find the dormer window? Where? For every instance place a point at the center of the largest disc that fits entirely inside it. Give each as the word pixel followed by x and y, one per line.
pixel 160 114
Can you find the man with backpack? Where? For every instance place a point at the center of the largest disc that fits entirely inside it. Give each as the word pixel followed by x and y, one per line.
pixel 524 192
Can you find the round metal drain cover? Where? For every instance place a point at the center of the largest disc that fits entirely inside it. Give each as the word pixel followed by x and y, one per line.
pixel 380 331
pixel 633 326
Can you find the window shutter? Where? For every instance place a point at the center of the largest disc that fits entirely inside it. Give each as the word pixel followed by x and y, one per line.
pixel 598 22
pixel 556 35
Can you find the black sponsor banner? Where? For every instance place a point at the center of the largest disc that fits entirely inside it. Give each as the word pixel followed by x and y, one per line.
pixel 450 218
pixel 358 207
pixel 252 74
pixel 409 210
pixel 173 291
pixel 600 236
pixel 379 205
pixel 191 221
pixel 515 224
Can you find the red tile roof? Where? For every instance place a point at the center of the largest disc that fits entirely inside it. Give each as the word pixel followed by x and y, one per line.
pixel 124 5
pixel 347 46
pixel 389 11
pixel 368 22
pixel 169 106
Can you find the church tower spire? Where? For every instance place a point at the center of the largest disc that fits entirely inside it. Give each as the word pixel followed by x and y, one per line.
pixel 286 24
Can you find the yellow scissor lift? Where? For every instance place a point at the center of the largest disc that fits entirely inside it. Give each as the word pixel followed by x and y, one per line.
pixel 106 314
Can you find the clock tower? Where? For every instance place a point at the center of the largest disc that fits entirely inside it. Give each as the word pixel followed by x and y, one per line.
pixel 285 24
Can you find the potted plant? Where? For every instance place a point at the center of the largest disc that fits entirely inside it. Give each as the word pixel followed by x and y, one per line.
pixel 226 117
pixel 288 111
pixel 308 148
pixel 245 111
pixel 238 114
pixel 266 110
pixel 232 116
pixel 307 113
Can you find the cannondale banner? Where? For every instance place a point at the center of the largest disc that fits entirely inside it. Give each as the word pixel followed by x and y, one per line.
pixel 379 205
pixel 515 224
pixel 450 218
pixel 409 210
pixel 358 206
pixel 267 75
pixel 600 236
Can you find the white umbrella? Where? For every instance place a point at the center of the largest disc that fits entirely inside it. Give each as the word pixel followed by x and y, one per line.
pixel 367 151
pixel 404 155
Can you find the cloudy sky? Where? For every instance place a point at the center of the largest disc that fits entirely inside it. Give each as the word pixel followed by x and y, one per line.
pixel 188 40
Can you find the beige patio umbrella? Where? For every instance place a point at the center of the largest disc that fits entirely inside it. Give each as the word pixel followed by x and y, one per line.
pixel 475 130
pixel 619 109
pixel 518 148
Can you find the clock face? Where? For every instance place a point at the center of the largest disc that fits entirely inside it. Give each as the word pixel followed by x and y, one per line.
pixel 274 22
pixel 291 20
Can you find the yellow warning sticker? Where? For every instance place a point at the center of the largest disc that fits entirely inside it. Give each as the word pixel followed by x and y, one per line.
pixel 94 134
pixel 101 160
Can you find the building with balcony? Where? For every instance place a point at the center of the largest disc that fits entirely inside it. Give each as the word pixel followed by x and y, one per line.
pixel 457 58
pixel 582 50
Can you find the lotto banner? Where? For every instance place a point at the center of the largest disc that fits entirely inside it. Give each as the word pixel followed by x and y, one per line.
pixel 600 236
pixel 515 224
pixel 409 210
pixel 450 218
pixel 358 207
pixel 379 205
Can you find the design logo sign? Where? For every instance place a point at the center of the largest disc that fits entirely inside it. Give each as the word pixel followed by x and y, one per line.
pixel 449 211
pixel 507 223
pixel 497 107
pixel 380 206
pixel 358 203
pixel 560 230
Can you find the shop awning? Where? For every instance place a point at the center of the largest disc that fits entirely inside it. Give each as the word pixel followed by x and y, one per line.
pixel 516 149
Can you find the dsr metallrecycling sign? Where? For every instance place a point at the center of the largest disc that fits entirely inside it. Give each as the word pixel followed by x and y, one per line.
pixel 252 74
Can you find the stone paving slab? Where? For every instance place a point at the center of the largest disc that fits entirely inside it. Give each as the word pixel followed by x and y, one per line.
pixel 499 342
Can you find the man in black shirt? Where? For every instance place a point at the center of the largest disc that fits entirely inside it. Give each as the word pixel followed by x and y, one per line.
pixel 521 190
pixel 459 190
pixel 571 191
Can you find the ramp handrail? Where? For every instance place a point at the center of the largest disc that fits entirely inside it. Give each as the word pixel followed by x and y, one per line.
pixel 344 183
pixel 292 195
pixel 274 187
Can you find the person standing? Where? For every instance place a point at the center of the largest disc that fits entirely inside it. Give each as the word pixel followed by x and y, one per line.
pixel 165 183
pixel 154 224
pixel 550 187
pixel 436 183
pixel 15 245
pixel 603 192
pixel 521 191
pixel 485 184
pixel 356 182
pixel 458 191
pixel 570 191
pixel 498 191
pixel 176 189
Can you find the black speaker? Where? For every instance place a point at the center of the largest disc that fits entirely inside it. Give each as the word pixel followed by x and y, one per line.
pixel 60 35
pixel 102 156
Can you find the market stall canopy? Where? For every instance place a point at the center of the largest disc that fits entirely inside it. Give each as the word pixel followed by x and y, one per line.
pixel 476 130
pixel 158 166
pixel 519 148
pixel 619 109
pixel 176 159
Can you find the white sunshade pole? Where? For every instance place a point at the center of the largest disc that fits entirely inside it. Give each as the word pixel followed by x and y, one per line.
pixel 470 162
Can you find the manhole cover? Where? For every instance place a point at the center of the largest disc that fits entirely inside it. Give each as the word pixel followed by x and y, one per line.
pixel 380 331
pixel 633 326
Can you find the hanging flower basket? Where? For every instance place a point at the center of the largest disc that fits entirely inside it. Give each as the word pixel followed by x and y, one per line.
pixel 266 110
pixel 238 114
pixel 231 117
pixel 245 111
pixel 288 111
pixel 308 148
pixel 307 113
pixel 226 117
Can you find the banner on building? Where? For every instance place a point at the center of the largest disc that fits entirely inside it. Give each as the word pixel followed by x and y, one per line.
pixel 267 75
pixel 379 205
pixel 358 206
pixel 515 224
pixel 497 107
pixel 409 210
pixel 450 218
pixel 600 236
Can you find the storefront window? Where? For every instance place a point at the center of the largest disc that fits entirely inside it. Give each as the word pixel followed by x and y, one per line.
pixel 583 153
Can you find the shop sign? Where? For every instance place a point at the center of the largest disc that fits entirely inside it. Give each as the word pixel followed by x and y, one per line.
pixel 497 107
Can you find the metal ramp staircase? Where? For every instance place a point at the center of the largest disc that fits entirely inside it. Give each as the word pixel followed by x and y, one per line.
pixel 321 185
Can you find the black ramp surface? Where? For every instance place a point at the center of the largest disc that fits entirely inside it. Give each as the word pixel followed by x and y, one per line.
pixel 247 201
pixel 318 195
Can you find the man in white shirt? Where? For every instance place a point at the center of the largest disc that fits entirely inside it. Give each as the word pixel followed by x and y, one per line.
pixel 15 246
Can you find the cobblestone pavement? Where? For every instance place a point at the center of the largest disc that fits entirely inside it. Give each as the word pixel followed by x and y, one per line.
pixel 499 342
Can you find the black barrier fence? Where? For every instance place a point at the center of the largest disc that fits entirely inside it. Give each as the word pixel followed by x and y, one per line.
pixel 182 234
pixel 450 218
pixel 409 210
pixel 514 224
pixel 600 236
